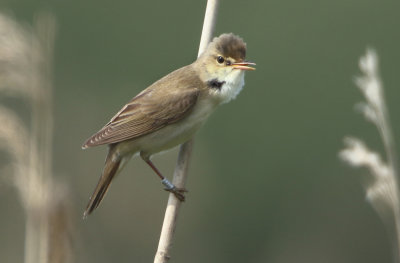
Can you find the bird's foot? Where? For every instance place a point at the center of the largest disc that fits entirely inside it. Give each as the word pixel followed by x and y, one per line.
pixel 178 192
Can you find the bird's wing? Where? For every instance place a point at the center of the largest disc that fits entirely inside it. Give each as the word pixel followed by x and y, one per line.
pixel 150 110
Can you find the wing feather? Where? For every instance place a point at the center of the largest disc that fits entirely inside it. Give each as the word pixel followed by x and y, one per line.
pixel 149 111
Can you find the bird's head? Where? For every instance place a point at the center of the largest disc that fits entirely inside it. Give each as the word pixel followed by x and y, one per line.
pixel 223 64
pixel 225 55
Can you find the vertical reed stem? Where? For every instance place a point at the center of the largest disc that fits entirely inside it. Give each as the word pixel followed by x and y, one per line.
pixel 180 173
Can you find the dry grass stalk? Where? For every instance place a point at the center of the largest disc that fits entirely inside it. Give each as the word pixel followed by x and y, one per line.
pixel 382 193
pixel 25 72
pixel 180 173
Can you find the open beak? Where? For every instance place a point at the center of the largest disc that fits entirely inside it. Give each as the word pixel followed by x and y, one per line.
pixel 244 65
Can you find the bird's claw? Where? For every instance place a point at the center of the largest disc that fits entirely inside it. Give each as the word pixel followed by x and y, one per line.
pixel 178 192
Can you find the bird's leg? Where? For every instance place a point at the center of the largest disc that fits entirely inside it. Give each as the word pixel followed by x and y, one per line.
pixel 170 187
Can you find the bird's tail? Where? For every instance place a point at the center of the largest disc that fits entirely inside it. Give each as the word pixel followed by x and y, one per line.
pixel 111 168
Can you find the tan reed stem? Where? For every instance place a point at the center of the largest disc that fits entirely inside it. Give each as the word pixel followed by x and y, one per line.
pixel 180 173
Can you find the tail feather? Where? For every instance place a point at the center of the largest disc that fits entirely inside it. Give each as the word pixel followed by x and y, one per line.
pixel 110 170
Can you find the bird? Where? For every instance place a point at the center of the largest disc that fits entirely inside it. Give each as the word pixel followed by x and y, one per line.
pixel 170 111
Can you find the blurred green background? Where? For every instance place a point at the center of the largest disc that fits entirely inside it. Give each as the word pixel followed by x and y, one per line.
pixel 265 181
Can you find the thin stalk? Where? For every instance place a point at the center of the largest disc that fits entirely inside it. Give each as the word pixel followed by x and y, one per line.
pixel 180 173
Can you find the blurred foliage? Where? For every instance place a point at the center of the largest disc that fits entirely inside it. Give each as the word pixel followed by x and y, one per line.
pixel 265 184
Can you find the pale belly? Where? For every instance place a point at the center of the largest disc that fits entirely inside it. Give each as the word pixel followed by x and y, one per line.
pixel 169 136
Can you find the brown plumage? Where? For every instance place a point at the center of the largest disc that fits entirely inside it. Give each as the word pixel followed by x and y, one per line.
pixel 139 117
pixel 229 45
pixel 110 170
pixel 170 111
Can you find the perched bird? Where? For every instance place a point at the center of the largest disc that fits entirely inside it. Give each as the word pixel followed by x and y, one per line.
pixel 170 111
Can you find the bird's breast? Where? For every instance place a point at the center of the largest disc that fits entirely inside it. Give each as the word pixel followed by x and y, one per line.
pixel 173 134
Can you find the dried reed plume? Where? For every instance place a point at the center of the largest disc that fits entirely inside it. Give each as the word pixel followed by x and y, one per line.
pixel 25 72
pixel 382 192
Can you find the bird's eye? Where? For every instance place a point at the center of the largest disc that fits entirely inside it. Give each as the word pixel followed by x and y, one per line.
pixel 228 63
pixel 220 59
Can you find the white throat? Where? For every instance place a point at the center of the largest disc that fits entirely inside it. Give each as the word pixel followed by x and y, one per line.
pixel 234 83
